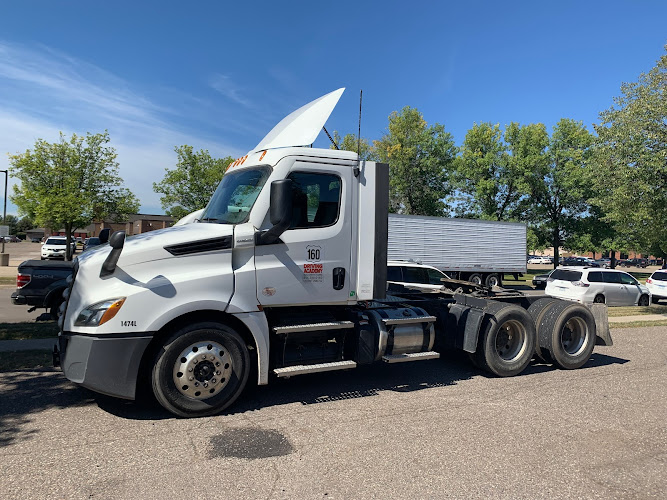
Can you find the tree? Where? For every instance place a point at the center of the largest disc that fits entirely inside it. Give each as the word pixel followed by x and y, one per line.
pixel 70 183
pixel 630 161
pixel 351 143
pixel 558 182
pixel 420 163
pixel 490 182
pixel 190 185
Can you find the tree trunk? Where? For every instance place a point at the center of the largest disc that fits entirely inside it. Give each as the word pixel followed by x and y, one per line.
pixel 612 264
pixel 68 241
pixel 556 243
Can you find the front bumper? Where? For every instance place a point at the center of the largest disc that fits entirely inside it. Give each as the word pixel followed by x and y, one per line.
pixel 106 364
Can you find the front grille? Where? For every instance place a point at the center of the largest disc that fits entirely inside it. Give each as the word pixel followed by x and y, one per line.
pixel 67 294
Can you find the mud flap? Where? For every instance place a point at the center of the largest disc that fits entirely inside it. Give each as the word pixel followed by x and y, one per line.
pixel 468 323
pixel 603 335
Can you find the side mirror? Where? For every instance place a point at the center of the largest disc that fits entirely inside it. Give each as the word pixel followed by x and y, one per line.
pixel 104 235
pixel 280 211
pixel 116 243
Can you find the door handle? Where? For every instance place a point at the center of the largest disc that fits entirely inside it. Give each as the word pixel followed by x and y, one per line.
pixel 338 278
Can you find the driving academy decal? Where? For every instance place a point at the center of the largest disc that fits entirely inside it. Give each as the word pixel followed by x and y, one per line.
pixel 313 271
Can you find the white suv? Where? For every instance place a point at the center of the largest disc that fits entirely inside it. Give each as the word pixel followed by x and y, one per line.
pixel 415 275
pixel 55 247
pixel 605 286
pixel 657 284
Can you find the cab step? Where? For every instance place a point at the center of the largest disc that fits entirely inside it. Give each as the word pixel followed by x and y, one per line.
pixel 314 327
pixel 290 371
pixel 414 356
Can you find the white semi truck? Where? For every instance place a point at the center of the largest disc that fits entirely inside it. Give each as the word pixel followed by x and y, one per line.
pixel 285 274
pixel 479 251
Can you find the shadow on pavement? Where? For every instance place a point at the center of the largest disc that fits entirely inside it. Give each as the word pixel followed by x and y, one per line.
pixel 28 392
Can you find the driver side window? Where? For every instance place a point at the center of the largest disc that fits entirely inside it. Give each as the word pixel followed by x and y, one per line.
pixel 316 199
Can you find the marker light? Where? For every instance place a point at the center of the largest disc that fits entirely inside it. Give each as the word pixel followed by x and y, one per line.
pixel 99 313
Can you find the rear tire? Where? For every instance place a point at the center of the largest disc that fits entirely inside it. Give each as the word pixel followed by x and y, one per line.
pixel 536 311
pixel 655 300
pixel 492 280
pixel 643 301
pixel 566 335
pixel 507 341
pixel 475 278
pixel 200 370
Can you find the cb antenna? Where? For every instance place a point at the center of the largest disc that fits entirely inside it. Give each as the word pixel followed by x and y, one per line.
pixel 330 138
pixel 356 170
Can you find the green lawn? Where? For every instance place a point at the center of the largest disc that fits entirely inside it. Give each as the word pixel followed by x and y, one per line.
pixel 20 331
pixel 638 324
pixel 7 280
pixel 636 311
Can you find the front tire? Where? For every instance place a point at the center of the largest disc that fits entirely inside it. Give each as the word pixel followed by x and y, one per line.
pixel 200 370
pixel 643 301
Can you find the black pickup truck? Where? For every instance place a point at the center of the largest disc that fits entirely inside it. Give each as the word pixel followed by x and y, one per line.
pixel 40 284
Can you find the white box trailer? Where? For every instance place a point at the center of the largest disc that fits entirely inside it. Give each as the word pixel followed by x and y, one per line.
pixel 474 250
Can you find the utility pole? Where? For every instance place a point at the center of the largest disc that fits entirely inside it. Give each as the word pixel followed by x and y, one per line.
pixel 4 210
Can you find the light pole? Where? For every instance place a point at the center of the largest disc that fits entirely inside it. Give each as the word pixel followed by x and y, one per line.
pixel 4 210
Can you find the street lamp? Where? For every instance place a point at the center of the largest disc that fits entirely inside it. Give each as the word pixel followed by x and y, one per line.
pixel 4 210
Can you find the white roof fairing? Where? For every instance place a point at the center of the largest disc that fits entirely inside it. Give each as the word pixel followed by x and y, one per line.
pixel 301 127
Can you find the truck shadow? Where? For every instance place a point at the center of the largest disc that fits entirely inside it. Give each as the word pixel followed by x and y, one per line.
pixel 24 394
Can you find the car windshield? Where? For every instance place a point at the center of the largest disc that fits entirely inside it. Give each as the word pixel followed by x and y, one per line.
pixel 236 194
pixel 55 241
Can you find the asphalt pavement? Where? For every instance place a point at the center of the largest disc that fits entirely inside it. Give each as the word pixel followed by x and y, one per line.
pixel 433 429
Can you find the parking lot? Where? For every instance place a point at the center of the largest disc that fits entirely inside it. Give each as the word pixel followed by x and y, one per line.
pixel 424 430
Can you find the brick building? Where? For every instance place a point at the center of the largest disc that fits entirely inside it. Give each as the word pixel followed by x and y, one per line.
pixel 137 224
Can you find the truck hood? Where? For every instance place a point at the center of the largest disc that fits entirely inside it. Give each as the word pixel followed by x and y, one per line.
pixel 162 244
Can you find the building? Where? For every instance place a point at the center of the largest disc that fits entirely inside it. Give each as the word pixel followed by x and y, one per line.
pixel 137 224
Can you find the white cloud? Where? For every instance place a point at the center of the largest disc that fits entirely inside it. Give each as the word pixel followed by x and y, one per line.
pixel 225 86
pixel 43 92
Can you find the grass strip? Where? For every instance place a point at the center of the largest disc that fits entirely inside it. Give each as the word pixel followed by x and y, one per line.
pixel 20 331
pixel 25 360
pixel 638 324
pixel 8 280
pixel 636 311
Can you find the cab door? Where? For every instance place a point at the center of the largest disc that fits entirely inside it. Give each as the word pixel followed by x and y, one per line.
pixel 311 264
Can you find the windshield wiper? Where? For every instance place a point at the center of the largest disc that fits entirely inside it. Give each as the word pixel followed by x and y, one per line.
pixel 209 219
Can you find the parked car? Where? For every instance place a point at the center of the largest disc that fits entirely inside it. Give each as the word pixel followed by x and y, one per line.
pixel 603 262
pixel 411 273
pixel 91 242
pixel 657 284
pixel 641 263
pixel 540 260
pixel 540 281
pixel 579 261
pixel 55 247
pixel 41 285
pixel 588 285
pixel 36 240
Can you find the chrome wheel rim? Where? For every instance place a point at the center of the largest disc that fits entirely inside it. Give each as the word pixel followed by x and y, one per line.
pixel 574 336
pixel 202 370
pixel 511 340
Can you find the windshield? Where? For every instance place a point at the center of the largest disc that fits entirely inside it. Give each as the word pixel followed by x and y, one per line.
pixel 56 241
pixel 232 201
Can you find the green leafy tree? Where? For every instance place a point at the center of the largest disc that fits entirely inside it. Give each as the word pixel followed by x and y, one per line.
pixel 559 187
pixel 70 183
pixel 350 143
pixel 190 185
pixel 490 183
pixel 420 161
pixel 630 161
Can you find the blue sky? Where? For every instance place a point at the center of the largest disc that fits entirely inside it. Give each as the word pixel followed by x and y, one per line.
pixel 218 74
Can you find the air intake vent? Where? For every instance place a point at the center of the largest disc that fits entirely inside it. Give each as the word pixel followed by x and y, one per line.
pixel 200 246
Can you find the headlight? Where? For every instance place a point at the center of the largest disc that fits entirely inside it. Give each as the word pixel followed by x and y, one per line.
pixel 100 313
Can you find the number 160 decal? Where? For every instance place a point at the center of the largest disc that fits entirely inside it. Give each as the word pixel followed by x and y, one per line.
pixel 314 253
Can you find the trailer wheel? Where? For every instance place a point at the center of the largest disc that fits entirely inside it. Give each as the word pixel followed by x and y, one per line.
pixel 475 278
pixel 492 280
pixel 566 335
pixel 200 370
pixel 507 340
pixel 536 311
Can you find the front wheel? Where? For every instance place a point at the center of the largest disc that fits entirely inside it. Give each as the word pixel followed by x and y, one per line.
pixel 643 301
pixel 200 370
